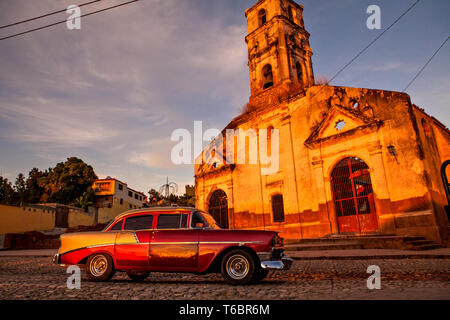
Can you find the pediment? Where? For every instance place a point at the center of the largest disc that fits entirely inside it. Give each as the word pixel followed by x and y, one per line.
pixel 338 121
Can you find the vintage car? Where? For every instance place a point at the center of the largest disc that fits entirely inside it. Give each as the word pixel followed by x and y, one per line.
pixel 173 239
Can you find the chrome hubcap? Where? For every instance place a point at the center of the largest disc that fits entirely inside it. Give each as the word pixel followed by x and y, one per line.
pixel 98 265
pixel 237 267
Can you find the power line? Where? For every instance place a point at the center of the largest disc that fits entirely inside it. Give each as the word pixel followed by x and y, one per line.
pixel 373 41
pixel 64 21
pixel 426 64
pixel 46 15
pixel 365 48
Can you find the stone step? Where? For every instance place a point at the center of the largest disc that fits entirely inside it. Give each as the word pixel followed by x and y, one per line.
pixel 426 247
pixel 421 242
pixel 412 238
pixel 320 247
pixel 358 239
pixel 372 241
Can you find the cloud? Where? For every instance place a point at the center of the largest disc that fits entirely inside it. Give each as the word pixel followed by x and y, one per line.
pixel 388 66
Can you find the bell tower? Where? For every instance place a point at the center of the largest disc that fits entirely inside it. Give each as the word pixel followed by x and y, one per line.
pixel 279 55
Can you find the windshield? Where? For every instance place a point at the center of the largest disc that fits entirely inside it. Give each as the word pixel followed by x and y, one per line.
pixel 209 220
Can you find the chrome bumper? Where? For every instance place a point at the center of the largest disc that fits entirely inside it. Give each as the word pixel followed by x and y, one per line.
pixel 283 264
pixel 56 258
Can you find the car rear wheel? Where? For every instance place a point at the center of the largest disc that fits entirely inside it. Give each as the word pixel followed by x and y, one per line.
pixel 100 267
pixel 238 267
pixel 138 275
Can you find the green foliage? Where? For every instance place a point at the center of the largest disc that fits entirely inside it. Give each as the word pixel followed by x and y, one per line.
pixel 154 196
pixel 86 200
pixel 7 193
pixel 66 183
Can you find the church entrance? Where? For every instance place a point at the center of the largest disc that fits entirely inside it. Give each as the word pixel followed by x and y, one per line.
pixel 353 196
pixel 218 208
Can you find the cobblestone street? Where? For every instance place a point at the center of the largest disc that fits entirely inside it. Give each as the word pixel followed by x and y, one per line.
pixel 38 278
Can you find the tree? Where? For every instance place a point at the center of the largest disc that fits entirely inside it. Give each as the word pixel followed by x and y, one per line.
pixel 20 188
pixel 65 182
pixel 34 187
pixel 7 193
pixel 154 196
pixel 86 200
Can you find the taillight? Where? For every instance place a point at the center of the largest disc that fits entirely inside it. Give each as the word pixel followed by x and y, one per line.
pixel 278 241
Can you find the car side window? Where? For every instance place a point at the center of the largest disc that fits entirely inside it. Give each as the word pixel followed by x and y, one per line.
pixel 117 226
pixel 169 221
pixel 139 223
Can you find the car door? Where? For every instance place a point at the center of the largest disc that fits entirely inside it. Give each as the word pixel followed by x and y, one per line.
pixel 133 242
pixel 173 245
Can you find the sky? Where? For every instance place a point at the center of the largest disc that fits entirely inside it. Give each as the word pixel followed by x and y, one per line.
pixel 113 92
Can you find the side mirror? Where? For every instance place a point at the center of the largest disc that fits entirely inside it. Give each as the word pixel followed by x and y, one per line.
pixel 199 225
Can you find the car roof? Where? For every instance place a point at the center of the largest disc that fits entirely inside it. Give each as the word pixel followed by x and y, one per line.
pixel 168 210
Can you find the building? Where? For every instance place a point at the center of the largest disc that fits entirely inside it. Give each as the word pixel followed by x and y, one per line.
pixel 113 197
pixel 351 160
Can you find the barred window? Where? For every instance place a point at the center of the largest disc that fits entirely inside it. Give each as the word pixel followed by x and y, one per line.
pixel 278 208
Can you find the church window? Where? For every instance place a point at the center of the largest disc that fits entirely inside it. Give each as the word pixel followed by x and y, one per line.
pixel 355 104
pixel 277 208
pixel 298 66
pixel 340 125
pixel 267 76
pixel 262 17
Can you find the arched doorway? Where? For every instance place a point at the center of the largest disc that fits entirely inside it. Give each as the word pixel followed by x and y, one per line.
pixel 353 196
pixel 218 208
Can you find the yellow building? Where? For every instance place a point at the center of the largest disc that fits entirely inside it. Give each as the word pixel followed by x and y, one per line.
pixel 113 197
pixel 351 160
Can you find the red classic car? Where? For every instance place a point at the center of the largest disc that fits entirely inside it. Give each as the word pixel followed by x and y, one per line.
pixel 173 239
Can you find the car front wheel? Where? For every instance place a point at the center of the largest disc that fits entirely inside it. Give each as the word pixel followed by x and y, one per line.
pixel 238 267
pixel 100 267
pixel 138 276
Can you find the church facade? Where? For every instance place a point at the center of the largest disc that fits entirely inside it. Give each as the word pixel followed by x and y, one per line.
pixel 351 160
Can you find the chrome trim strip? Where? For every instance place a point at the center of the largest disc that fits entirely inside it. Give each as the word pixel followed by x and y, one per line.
pixel 241 243
pixel 187 242
pixel 99 245
pixel 88 247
